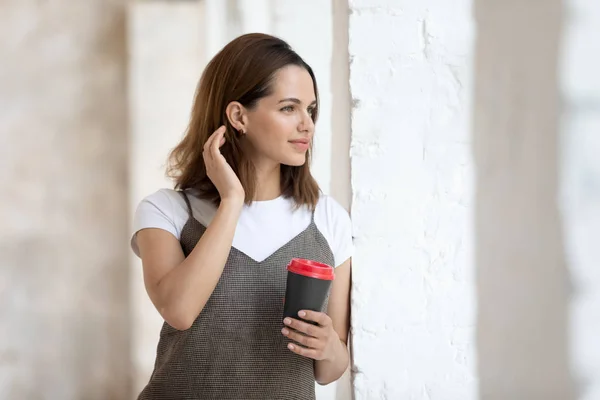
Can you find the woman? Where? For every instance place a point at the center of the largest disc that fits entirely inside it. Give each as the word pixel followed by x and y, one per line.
pixel 215 250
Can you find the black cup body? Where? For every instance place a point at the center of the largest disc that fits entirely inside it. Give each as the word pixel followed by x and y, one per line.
pixel 304 293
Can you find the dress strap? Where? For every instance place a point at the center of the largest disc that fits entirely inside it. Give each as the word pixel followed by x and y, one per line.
pixel 187 201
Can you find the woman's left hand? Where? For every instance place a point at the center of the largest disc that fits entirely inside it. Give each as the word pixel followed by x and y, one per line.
pixel 317 342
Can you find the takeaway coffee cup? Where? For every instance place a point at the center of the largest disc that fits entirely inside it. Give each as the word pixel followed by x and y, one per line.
pixel 307 286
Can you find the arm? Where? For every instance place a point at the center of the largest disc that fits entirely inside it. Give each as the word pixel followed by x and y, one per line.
pixel 179 287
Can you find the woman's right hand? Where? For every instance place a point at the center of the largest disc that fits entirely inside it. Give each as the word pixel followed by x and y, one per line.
pixel 218 169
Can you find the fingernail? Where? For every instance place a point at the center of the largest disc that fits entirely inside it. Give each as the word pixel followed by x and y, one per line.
pixel 285 331
pixel 287 321
pixel 302 313
pixel 291 346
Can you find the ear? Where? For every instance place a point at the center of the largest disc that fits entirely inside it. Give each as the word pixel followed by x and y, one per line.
pixel 237 116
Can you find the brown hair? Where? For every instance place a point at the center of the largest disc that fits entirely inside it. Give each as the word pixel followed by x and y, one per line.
pixel 242 71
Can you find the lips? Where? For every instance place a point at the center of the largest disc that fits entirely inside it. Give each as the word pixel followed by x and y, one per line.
pixel 300 141
pixel 301 144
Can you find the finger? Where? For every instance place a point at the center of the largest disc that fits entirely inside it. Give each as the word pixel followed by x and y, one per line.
pixel 303 327
pixel 216 143
pixel 320 318
pixel 304 340
pixel 310 353
pixel 212 137
pixel 207 154
pixel 221 143
pixel 208 142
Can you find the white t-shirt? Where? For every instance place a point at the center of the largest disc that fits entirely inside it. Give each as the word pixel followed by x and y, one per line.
pixel 263 227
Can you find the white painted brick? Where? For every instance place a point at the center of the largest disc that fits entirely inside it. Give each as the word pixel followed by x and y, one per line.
pixel 413 295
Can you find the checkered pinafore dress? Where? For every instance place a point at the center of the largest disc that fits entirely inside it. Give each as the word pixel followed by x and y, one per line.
pixel 235 349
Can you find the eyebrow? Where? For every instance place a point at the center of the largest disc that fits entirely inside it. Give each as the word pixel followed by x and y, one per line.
pixel 295 100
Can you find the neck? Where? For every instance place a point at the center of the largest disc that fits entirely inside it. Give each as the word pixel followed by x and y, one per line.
pixel 268 182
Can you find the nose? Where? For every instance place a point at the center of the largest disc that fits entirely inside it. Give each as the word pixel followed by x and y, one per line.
pixel 306 124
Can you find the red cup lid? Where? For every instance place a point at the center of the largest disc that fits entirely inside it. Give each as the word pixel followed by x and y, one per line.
pixel 311 269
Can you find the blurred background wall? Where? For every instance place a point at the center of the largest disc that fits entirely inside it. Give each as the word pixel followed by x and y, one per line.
pixel 64 282
pixel 463 137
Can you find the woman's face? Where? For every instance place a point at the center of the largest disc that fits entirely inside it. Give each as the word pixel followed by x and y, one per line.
pixel 280 128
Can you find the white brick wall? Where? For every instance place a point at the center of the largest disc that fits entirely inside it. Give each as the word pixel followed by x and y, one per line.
pixel 580 180
pixel 413 295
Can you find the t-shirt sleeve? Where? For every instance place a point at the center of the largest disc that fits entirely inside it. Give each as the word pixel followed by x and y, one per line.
pixel 154 211
pixel 340 228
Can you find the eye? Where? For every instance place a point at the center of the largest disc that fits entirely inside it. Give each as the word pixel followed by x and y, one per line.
pixel 311 111
pixel 288 108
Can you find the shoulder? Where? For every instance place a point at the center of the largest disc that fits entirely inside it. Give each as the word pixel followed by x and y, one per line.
pixel 334 223
pixel 173 203
pixel 163 201
pixel 164 209
pixel 168 206
pixel 163 198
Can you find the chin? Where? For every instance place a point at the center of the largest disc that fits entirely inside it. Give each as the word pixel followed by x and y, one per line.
pixel 294 161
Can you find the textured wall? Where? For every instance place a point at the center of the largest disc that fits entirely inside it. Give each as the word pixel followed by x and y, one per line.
pixel 580 184
pixel 63 201
pixel 413 294
pixel 522 278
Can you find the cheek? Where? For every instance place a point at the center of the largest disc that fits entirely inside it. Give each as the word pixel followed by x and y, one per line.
pixel 280 124
pixel 275 131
